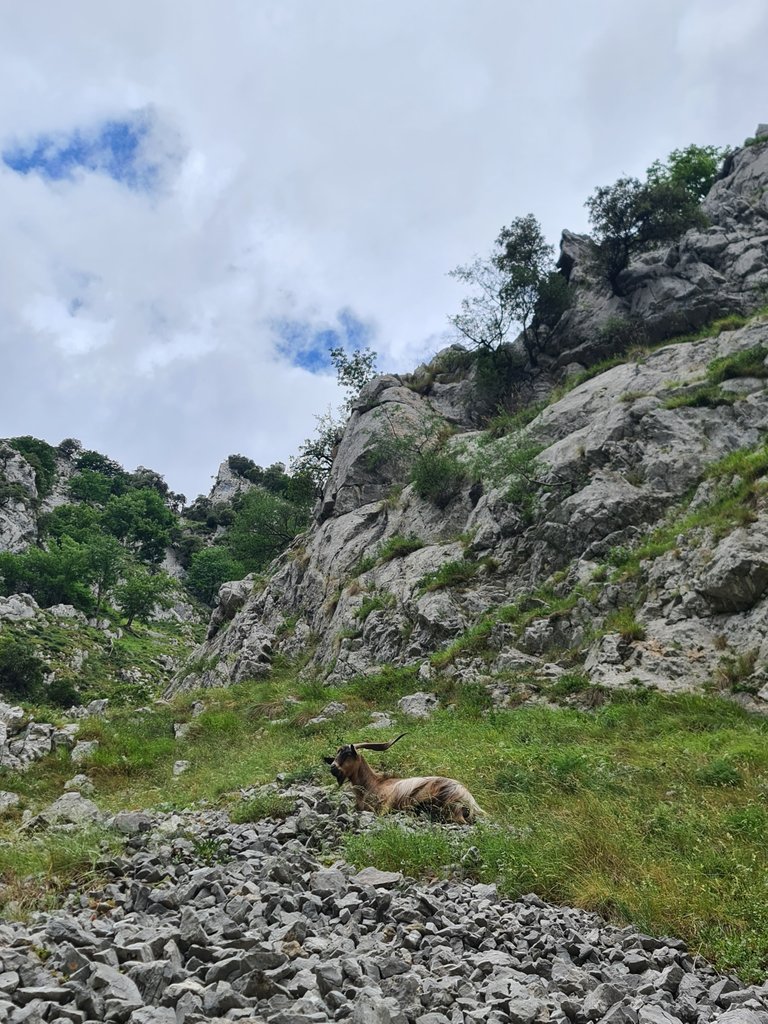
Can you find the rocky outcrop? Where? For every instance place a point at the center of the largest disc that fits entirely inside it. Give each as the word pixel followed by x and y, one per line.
pixel 617 456
pixel 23 741
pixel 709 273
pixel 228 485
pixel 274 932
pixel 18 496
pixel 385 576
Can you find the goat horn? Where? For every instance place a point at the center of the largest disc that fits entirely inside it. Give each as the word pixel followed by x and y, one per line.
pixel 378 746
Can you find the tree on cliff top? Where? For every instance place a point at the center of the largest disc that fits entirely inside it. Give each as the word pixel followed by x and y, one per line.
pixel 516 286
pixel 632 216
pixel 353 371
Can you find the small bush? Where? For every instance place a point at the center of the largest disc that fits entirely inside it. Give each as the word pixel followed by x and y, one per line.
pixel 570 683
pixel 749 363
pixel 438 476
pixel 265 805
pixel 734 673
pixel 719 772
pixel 21 673
pixel 451 574
pixel 373 603
pixel 624 622
pixel 704 396
pixel 398 547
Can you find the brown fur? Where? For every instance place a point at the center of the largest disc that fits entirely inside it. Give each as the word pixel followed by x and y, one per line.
pixel 376 792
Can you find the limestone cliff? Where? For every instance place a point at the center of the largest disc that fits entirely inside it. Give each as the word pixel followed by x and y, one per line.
pixel 557 547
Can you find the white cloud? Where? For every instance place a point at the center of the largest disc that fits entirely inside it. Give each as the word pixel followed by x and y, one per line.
pixel 316 157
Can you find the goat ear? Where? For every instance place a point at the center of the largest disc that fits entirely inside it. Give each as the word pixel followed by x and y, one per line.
pixel 328 760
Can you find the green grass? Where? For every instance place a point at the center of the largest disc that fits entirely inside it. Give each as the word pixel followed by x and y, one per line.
pixel 623 621
pixel 740 480
pixel 37 869
pixel 373 603
pixel 396 547
pixel 650 808
pixel 711 330
pixel 450 574
pixel 264 805
pixel 504 423
pixel 701 396
pixel 749 363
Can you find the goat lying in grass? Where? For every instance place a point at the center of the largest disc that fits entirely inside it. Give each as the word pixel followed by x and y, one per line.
pixel 432 793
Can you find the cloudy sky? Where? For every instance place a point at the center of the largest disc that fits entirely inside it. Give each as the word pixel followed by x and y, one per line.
pixel 197 197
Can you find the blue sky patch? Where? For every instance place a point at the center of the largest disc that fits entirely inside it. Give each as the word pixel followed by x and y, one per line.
pixel 115 148
pixel 308 345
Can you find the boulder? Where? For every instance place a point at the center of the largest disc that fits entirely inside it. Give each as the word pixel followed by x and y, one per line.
pixel 419 705
pixel 18 608
pixel 72 809
pixel 738 574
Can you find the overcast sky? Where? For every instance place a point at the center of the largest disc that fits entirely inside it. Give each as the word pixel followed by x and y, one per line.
pixel 196 197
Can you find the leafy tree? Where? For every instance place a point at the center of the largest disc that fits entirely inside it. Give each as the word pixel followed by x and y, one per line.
pixel 242 466
pixel 105 560
pixel 11 493
pixel 353 370
pixel 486 317
pixel 264 525
pixel 316 454
pixel 526 259
pixel 92 486
pixel 140 592
pixel 80 522
pixel 210 568
pixel 100 464
pixel 142 521
pixel 554 298
pixel 58 574
pixel 631 216
pixel 21 672
pixel 69 447
pixel 694 168
pixel 516 286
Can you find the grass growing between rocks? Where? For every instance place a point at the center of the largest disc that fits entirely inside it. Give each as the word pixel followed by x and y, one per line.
pixel 739 482
pixel 649 809
pixel 36 869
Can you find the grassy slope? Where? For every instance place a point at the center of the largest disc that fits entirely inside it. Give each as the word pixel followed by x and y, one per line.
pixel 649 808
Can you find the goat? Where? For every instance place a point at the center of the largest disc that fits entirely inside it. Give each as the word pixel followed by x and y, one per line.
pixel 375 792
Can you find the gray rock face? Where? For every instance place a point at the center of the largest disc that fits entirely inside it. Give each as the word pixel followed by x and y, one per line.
pixel 228 485
pixel 231 598
pixel 18 522
pixel 267 933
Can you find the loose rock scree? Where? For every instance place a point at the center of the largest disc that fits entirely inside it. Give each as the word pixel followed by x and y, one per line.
pixel 440 797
